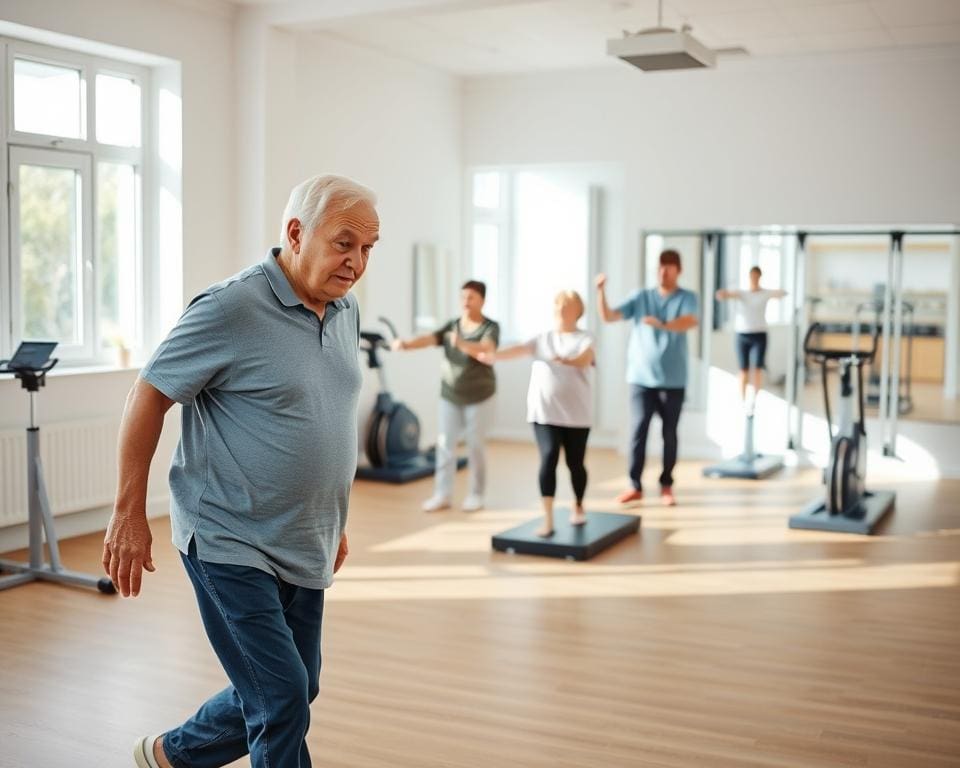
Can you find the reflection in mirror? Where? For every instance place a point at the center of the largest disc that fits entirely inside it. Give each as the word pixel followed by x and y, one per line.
pixel 429 288
pixel 846 278
pixel 847 281
pixel 747 303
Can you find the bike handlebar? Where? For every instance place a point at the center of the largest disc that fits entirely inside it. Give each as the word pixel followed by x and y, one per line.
pixel 823 353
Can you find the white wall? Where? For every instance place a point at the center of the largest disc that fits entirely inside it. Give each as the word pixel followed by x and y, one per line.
pixel 390 124
pixel 866 138
pixel 200 37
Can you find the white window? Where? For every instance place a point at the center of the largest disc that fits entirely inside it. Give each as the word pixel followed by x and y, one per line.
pixel 73 157
pixel 530 239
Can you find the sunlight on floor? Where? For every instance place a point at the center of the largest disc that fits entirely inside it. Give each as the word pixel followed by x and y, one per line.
pixel 687 582
pixel 547 567
pixel 725 425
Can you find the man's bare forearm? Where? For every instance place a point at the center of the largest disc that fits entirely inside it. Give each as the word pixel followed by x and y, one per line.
pixel 606 314
pixel 681 324
pixel 140 430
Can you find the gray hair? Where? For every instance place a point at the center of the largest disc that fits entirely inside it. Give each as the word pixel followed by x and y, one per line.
pixel 310 200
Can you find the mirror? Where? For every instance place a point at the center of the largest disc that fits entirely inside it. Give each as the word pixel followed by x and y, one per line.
pixel 430 294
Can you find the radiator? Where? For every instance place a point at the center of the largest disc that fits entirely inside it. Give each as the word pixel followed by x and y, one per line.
pixel 79 464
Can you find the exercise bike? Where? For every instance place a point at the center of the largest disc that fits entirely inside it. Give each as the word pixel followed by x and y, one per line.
pixel 848 506
pixel 391 438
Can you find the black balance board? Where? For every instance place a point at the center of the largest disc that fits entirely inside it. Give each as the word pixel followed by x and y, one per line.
pixel 577 542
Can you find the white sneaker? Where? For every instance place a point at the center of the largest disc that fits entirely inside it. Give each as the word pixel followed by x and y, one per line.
pixel 435 504
pixel 143 752
pixel 472 503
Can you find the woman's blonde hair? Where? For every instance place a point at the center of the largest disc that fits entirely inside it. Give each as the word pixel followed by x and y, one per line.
pixel 570 296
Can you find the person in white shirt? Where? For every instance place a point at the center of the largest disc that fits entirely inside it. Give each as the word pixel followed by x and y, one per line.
pixel 559 401
pixel 750 323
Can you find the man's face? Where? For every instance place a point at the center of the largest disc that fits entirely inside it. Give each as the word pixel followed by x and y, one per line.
pixel 668 274
pixel 329 260
pixel 754 279
pixel 471 301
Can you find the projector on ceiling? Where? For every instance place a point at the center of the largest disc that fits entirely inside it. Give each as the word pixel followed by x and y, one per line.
pixel 662 48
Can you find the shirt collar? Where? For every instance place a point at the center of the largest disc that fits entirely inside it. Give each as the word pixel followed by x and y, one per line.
pixel 281 286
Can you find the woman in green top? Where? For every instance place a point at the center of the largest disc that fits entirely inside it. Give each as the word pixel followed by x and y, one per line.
pixel 466 385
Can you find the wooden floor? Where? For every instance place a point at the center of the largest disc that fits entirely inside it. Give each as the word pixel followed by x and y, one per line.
pixel 716 638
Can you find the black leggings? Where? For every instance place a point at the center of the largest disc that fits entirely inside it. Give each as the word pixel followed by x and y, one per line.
pixel 574 443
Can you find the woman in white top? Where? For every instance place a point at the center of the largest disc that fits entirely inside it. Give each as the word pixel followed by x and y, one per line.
pixel 559 401
pixel 750 323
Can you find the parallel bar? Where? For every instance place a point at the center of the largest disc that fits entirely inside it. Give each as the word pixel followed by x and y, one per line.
pixel 884 404
pixel 796 365
pixel 893 393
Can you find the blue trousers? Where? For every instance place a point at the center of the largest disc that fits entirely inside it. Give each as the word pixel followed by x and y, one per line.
pixel 266 634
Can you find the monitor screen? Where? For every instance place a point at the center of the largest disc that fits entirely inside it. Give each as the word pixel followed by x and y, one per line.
pixel 32 355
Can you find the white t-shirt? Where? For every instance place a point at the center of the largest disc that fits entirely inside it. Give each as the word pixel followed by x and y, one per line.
pixel 751 310
pixel 559 394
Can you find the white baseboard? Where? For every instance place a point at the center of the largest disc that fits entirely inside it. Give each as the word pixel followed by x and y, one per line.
pixel 82 523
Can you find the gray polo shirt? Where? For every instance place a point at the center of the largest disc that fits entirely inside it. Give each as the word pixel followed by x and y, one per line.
pixel 268 445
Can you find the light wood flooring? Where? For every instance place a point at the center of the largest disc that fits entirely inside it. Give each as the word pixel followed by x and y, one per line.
pixel 717 638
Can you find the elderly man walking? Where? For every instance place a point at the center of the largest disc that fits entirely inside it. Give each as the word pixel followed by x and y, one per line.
pixel 265 366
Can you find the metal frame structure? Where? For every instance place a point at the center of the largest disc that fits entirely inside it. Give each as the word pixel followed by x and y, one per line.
pixel 892 313
pixel 40 515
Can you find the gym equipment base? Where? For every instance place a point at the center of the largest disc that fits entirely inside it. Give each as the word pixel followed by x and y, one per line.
pixel 574 542
pixel 419 466
pixel 754 467
pixel 23 573
pixel 863 518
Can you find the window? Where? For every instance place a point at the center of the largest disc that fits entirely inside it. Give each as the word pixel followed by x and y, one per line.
pixel 530 239
pixel 74 159
pixel 47 99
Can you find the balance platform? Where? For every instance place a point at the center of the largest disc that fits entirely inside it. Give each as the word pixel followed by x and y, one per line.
pixel 863 518
pixel 755 467
pixel 415 468
pixel 574 542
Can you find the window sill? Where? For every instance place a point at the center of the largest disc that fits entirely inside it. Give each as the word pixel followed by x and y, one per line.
pixel 82 370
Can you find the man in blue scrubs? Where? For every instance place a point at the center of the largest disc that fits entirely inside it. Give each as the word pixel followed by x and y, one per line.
pixel 656 366
pixel 265 366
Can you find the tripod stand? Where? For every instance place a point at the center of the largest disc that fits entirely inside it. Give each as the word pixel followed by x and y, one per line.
pixel 33 376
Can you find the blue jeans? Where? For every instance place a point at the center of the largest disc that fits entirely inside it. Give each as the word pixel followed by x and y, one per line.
pixel 644 403
pixel 266 634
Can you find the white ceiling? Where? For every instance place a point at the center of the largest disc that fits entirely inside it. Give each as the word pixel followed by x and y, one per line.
pixel 476 37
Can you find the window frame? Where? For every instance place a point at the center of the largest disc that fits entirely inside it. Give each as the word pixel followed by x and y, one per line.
pixel 501 218
pixel 79 162
pixel 93 351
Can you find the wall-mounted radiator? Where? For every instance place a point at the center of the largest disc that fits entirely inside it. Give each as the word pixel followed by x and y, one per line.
pixel 79 462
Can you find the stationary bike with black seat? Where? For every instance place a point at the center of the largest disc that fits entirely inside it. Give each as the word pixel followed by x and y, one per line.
pixel 391 438
pixel 848 507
